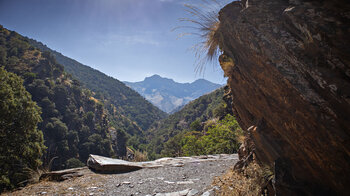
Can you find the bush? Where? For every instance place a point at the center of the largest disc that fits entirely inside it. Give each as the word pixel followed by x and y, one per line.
pixel 74 163
pixel 248 182
pixel 140 156
pixel 224 136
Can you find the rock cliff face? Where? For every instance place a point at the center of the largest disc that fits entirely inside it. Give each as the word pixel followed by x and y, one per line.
pixel 289 74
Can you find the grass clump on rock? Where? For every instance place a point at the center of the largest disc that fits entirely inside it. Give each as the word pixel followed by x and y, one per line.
pixel 204 23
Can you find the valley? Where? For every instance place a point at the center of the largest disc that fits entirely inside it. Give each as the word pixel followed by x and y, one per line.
pixel 87 112
pixel 279 126
pixel 126 102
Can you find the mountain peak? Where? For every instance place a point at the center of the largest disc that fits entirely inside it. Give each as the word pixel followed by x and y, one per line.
pixel 157 77
pixel 167 94
pixel 201 80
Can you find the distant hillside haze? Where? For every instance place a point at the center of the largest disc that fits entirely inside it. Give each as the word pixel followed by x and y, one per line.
pixel 128 103
pixel 169 95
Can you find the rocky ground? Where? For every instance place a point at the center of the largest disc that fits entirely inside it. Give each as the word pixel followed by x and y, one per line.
pixel 185 176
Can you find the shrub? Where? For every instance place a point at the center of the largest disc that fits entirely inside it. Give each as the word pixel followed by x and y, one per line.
pixel 140 156
pixel 224 136
pixel 74 163
pixel 249 182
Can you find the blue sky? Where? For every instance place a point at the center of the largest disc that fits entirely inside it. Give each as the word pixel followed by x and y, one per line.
pixel 126 39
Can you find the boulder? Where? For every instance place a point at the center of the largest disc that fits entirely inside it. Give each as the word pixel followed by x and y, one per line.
pixel 109 165
pixel 290 81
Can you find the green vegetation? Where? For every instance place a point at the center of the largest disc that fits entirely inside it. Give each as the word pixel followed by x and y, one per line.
pixel 74 122
pixel 204 126
pixel 224 136
pixel 139 113
pixel 22 144
pixel 125 109
pixel 73 163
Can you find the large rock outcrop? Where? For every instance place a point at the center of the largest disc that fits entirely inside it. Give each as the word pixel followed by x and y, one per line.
pixel 290 85
pixel 110 165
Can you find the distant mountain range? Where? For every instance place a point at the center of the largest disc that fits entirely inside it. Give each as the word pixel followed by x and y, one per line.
pixel 169 95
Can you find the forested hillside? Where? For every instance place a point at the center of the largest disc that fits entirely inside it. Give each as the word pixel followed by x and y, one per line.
pixel 102 119
pixel 74 121
pixel 128 102
pixel 194 129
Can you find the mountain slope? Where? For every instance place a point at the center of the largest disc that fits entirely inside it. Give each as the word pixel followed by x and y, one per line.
pixel 204 108
pixel 167 94
pixel 128 102
pixel 74 122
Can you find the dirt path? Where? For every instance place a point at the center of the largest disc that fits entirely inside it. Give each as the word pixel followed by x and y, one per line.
pixel 190 178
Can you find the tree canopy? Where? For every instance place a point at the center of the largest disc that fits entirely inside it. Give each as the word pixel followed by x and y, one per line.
pixel 22 144
pixel 70 113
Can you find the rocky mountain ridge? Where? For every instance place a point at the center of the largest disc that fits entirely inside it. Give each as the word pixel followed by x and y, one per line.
pixel 169 95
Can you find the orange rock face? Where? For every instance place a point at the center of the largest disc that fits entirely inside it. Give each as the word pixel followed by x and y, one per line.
pixel 291 80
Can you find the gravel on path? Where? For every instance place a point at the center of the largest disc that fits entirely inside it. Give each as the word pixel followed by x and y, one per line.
pixel 192 178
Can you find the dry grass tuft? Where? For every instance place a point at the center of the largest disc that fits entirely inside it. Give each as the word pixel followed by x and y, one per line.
pixel 247 183
pixel 140 156
pixel 34 175
pixel 204 23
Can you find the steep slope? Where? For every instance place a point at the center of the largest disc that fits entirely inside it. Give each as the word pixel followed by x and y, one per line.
pixel 167 94
pixel 128 103
pixel 74 122
pixel 202 109
pixel 290 85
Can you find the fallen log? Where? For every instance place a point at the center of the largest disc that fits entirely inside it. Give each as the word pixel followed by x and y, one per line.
pixel 64 174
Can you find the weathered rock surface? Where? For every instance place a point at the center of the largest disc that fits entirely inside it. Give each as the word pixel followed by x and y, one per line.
pixel 290 83
pixel 193 177
pixel 110 165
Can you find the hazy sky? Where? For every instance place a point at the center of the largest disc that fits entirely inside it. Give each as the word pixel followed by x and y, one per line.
pixel 126 39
